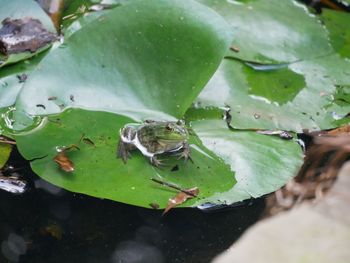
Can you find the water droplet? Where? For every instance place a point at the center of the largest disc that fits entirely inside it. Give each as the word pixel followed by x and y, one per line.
pixel 182 18
pixel 16 122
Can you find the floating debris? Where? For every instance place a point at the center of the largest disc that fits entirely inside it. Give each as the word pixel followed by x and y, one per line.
pixel 12 184
pixel 21 35
pixel 22 78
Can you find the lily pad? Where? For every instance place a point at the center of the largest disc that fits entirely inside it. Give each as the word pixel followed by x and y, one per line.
pixel 246 156
pixel 293 98
pixel 99 173
pixel 262 163
pixel 272 31
pixel 157 57
pixel 13 77
pixel 337 24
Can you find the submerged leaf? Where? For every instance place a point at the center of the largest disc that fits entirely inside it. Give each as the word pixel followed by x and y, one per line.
pixel 180 198
pixel 12 184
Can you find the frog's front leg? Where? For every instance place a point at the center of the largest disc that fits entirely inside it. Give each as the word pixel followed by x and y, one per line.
pixel 154 161
pixel 123 150
pixel 186 152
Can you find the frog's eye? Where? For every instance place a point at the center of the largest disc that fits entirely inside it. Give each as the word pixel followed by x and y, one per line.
pixel 169 127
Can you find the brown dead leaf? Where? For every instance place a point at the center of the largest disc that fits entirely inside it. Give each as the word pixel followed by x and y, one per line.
pixel 63 161
pixel 180 198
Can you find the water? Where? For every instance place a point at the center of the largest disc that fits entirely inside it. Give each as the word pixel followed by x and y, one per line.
pixel 49 225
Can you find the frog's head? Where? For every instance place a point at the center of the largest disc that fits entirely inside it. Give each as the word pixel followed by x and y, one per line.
pixel 172 131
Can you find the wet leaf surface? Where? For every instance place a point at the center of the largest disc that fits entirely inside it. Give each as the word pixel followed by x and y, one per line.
pixel 298 96
pixel 262 163
pixel 266 32
pixel 337 24
pixel 146 66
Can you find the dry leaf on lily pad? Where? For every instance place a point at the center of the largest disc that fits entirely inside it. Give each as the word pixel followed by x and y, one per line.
pixel 20 35
pixel 63 161
pixel 181 197
pixel 23 38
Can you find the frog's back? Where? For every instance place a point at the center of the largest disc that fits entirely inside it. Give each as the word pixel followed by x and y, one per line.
pixel 147 139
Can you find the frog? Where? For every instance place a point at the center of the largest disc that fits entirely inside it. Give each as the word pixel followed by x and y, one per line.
pixel 153 138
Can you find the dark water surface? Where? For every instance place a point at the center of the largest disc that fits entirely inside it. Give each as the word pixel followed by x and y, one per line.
pixel 49 225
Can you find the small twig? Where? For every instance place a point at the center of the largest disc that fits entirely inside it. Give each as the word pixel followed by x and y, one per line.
pixel 7 141
pixel 173 186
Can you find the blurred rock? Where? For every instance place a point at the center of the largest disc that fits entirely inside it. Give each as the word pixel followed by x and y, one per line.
pixel 309 233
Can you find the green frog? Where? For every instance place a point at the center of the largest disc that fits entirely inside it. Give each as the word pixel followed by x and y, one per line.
pixel 153 138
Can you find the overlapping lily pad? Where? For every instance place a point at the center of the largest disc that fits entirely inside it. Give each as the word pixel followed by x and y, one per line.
pixel 272 31
pixel 296 97
pixel 137 59
pixel 337 24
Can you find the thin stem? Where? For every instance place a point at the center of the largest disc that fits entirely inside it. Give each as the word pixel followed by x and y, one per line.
pixel 173 186
pixel 7 141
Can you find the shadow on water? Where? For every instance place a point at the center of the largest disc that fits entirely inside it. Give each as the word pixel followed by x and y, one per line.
pixel 49 225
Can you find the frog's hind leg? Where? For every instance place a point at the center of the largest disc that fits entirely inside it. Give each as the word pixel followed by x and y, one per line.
pixel 123 150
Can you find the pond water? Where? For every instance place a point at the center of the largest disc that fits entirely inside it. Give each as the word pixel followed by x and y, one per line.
pixel 48 224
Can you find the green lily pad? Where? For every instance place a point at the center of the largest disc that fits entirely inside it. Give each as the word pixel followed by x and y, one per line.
pixel 5 151
pixel 272 31
pixel 262 163
pixel 157 57
pixel 13 77
pixel 99 173
pixel 337 24
pixel 20 9
pixel 293 98
pixel 246 156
